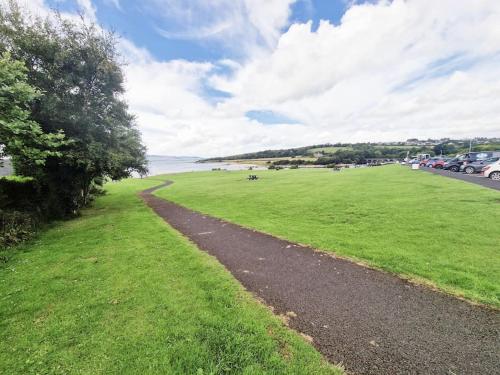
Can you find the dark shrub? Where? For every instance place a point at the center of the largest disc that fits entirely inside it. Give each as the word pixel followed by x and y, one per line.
pixel 16 226
pixel 21 207
pixel 20 194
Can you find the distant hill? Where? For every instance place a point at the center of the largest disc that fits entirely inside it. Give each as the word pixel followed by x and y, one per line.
pixel 327 149
pixel 266 154
pixel 358 152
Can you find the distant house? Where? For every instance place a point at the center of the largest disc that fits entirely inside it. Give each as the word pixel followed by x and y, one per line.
pixel 6 168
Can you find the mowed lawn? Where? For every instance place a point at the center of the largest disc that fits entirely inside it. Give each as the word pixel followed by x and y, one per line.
pixel 426 227
pixel 117 291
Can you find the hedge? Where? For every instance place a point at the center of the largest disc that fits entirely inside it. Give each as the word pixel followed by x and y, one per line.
pixel 20 209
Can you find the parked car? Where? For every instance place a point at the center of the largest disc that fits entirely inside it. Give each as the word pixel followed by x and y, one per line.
pixel 453 164
pixel 492 171
pixel 477 166
pixel 470 157
pixel 431 161
pixel 424 162
pixel 421 157
pixel 474 157
pixel 439 164
pixel 482 155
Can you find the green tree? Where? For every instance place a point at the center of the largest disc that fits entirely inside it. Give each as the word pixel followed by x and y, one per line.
pixel 21 137
pixel 75 67
pixel 445 149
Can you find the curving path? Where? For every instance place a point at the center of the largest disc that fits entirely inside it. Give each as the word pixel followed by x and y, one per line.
pixel 370 321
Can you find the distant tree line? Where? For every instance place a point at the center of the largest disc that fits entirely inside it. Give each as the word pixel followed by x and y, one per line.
pixel 63 121
pixel 358 153
pixel 361 152
pixel 284 153
pixel 461 147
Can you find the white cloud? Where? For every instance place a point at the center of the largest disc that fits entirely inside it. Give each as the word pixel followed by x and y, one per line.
pixel 243 25
pixel 388 71
pixel 39 8
pixel 35 7
pixel 175 119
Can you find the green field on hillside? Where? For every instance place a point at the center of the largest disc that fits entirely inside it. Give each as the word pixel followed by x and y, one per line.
pixel 117 291
pixel 328 150
pixel 427 227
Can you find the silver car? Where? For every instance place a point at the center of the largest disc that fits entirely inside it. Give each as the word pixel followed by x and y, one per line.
pixel 476 166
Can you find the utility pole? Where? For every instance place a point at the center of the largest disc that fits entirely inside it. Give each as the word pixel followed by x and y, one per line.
pixel 470 145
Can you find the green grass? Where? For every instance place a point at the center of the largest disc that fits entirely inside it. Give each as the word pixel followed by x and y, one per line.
pixel 328 150
pixel 19 179
pixel 426 227
pixel 396 146
pixel 117 291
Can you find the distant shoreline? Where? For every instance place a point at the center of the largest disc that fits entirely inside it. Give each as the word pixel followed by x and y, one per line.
pixel 180 164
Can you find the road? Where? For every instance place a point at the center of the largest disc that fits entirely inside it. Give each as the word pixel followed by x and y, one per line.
pixel 473 178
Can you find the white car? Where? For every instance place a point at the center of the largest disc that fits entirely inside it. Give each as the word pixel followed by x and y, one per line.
pixel 492 171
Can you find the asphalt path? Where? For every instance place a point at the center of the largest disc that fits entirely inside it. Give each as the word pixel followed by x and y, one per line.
pixel 370 321
pixel 473 178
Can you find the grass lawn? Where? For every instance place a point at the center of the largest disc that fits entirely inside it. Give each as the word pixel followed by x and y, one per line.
pixel 266 161
pixel 117 291
pixel 328 150
pixel 428 227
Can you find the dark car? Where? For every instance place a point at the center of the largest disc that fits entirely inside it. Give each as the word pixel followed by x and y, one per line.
pixel 481 155
pixel 477 166
pixel 453 164
pixel 470 157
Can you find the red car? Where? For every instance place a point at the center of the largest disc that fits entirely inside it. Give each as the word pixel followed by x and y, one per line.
pixel 424 162
pixel 439 164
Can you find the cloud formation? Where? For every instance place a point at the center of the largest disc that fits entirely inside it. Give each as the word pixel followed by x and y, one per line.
pixel 390 70
pixel 239 24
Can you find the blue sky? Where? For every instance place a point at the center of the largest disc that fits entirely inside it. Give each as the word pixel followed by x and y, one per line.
pixel 215 77
pixel 139 21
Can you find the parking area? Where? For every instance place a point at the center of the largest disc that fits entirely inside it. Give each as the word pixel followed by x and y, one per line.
pixel 473 178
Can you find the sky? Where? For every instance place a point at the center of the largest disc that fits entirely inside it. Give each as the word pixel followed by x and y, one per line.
pixel 221 77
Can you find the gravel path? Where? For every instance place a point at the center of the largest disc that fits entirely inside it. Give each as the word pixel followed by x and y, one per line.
pixel 370 321
pixel 473 178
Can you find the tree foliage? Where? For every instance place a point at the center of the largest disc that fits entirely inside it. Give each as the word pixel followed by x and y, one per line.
pixel 75 69
pixel 21 137
pixel 445 149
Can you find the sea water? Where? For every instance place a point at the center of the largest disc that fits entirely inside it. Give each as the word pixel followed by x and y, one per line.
pixel 158 164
